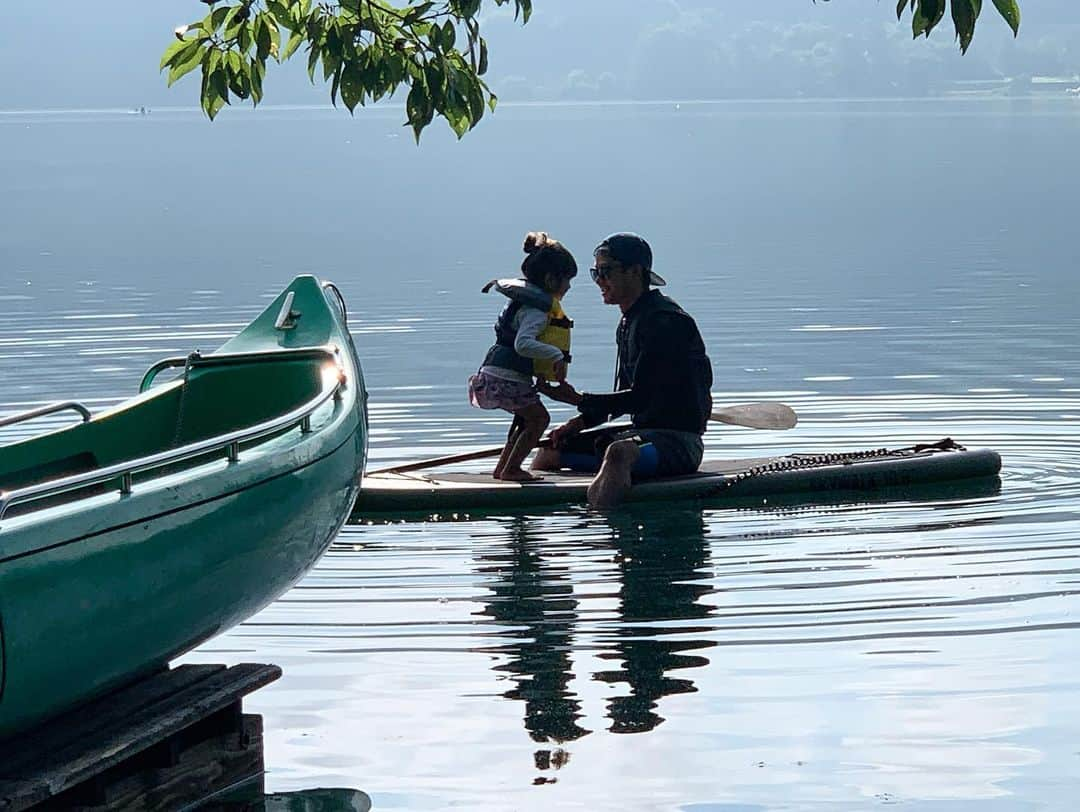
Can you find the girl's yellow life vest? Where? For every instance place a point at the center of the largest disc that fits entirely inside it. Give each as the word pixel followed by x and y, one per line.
pixel 557 334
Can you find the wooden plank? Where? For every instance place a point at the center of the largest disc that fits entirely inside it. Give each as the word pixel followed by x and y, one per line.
pixel 87 721
pixel 204 768
pixel 153 723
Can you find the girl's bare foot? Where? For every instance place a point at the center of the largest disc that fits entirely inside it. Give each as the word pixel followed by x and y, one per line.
pixel 518 476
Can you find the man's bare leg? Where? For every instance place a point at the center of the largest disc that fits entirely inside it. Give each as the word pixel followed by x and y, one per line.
pixel 611 484
pixel 546 459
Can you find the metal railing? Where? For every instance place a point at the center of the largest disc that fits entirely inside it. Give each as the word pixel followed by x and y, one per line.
pixel 230 443
pixel 41 411
pixel 196 360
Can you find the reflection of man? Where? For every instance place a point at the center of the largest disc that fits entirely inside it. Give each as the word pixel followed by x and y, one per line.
pixel 663 556
pixel 663 381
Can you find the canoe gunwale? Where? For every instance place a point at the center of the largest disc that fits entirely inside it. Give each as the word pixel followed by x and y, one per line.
pixel 229 442
pixel 211 496
pixel 197 361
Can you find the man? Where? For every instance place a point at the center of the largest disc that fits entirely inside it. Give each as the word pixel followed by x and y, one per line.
pixel 663 380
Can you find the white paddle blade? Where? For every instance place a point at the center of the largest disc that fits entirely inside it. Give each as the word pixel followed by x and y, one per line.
pixel 762 415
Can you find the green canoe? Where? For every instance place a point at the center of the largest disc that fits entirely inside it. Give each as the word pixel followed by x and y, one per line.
pixel 131 537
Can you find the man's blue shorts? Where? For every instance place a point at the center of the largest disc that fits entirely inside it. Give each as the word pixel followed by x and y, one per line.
pixel 664 452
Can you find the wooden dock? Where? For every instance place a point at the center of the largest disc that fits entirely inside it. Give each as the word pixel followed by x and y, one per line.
pixel 165 742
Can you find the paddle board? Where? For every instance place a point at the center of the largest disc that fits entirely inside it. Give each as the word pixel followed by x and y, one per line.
pixel 739 481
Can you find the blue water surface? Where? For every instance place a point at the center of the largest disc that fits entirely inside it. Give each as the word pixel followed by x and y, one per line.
pixel 895 271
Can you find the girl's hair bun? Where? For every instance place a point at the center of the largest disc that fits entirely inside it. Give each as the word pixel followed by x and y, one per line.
pixel 535 240
pixel 546 256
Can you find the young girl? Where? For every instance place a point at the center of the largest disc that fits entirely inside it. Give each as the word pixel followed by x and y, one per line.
pixel 532 339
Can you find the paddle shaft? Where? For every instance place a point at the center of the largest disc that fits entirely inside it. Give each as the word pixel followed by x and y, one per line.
pixel 437 461
pixel 763 415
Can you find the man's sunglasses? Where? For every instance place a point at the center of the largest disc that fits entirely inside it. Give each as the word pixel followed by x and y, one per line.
pixel 603 272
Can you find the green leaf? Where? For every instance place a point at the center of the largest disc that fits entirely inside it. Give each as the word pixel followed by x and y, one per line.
pixel 312 61
pixel 435 81
pixel 262 38
pixel 493 101
pixel 469 86
pixel 212 105
pixel 244 38
pixel 482 68
pixel 239 79
pixel 395 69
pixel 928 13
pixel 219 82
pixel 449 35
pixel 352 86
pixel 416 12
pixel 235 17
pixel 257 71
pixel 419 108
pixel 331 52
pixel 1011 12
pixel 280 11
pixel 174 51
pixel 215 18
pixel 331 62
pixel 235 63
pixel 334 84
pixel 466 8
pixel 215 91
pixel 275 36
pixel 964 15
pixel 212 62
pixel 457 114
pixel 294 42
pixel 192 59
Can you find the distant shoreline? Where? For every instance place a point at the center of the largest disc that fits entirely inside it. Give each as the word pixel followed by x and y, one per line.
pixel 963 92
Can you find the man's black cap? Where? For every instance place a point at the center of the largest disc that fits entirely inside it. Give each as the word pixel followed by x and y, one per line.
pixel 630 249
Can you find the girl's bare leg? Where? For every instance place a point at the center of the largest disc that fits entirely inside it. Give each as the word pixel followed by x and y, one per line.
pixel 534 419
pixel 511 438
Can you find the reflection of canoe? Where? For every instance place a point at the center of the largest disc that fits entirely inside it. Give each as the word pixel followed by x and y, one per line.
pixel 133 537
pixel 797 477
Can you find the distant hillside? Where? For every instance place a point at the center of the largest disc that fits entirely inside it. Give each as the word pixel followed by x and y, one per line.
pixel 107 56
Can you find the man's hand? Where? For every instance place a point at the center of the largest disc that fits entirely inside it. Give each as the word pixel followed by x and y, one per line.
pixel 564 392
pixel 567 429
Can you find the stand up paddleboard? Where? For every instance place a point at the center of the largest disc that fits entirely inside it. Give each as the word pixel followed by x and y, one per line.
pixel 813 476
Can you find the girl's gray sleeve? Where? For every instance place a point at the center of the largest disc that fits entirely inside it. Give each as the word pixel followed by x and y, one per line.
pixel 530 322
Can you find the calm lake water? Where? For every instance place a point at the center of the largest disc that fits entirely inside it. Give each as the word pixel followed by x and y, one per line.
pixel 896 272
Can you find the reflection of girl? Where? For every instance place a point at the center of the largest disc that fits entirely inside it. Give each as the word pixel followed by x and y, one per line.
pixel 532 338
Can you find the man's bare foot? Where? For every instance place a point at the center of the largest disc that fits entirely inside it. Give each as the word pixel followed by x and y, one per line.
pixel 519 476
pixel 546 459
pixel 613 481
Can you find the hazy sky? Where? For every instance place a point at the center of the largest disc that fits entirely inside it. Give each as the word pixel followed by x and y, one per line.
pixel 74 54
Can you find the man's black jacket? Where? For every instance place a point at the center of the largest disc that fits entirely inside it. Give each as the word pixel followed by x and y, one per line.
pixel 663 375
